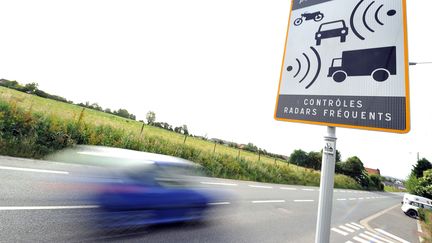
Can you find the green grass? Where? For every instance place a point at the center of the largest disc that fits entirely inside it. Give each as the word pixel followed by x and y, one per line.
pixel 32 127
pixel 392 189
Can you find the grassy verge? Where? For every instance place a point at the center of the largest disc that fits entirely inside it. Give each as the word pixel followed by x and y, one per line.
pixel 392 189
pixel 426 218
pixel 33 127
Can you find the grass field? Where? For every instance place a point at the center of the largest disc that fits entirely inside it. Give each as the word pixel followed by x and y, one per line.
pixel 223 161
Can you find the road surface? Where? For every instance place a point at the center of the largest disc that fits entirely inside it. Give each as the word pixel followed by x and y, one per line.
pixel 34 207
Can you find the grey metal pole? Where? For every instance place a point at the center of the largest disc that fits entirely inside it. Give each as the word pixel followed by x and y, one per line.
pixel 325 203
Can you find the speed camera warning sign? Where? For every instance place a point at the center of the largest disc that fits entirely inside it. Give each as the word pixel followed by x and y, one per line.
pixel 346 64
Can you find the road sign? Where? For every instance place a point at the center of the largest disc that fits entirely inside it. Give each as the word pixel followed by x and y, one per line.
pixel 346 64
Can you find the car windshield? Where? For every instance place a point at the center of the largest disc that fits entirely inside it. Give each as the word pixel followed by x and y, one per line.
pixel 331 26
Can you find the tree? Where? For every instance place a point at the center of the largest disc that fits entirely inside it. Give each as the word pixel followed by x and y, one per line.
pixel 185 130
pixel 424 187
pixel 422 165
pixel 251 147
pixel 299 157
pixel 353 167
pixel 314 160
pixel 151 117
pixel 31 88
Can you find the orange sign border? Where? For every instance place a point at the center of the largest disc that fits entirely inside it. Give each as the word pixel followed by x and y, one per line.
pixel 407 97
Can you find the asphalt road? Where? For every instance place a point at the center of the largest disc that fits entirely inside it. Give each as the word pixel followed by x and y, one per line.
pixel 37 204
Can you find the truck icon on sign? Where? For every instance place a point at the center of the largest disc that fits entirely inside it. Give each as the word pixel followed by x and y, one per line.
pixel 379 63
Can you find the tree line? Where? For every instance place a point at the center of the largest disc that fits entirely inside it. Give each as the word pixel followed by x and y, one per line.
pixel 352 167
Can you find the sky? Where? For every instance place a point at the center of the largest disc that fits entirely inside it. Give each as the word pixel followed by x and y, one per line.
pixel 211 64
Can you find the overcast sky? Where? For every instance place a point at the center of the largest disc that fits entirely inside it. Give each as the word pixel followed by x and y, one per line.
pixel 211 64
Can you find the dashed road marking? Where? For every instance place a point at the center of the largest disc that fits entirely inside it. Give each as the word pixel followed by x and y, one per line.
pixel 352 226
pixel 257 186
pixel 360 226
pixel 306 200
pixel 358 239
pixel 219 203
pixel 341 199
pixel 370 238
pixel 346 229
pixel 378 237
pixel 12 208
pixel 391 235
pixel 288 188
pixel 33 170
pixel 339 231
pixel 269 201
pixel 219 183
pixel 351 198
pixel 307 189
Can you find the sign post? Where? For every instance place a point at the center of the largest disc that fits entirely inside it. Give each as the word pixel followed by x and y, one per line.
pixel 326 188
pixel 345 65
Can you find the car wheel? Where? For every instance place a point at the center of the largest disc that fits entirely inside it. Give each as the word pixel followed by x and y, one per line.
pixel 339 76
pixel 412 213
pixel 380 75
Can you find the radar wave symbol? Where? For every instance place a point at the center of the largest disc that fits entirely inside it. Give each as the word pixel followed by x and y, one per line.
pixel 308 66
pixel 367 25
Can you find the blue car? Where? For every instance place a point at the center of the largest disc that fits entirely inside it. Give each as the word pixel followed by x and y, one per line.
pixel 142 188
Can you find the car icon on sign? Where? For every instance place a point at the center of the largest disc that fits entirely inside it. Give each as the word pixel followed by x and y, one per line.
pixel 330 30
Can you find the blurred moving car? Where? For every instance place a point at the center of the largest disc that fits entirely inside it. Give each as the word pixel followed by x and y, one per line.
pixel 412 203
pixel 143 188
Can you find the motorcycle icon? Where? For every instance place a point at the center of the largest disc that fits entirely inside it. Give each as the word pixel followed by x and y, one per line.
pixel 316 16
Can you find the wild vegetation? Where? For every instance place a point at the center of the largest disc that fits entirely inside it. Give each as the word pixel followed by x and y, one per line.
pixel 33 127
pixel 419 181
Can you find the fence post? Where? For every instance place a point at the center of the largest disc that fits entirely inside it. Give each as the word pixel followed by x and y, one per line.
pixel 142 129
pixel 238 155
pixel 214 148
pixel 259 155
pixel 81 116
pixel 184 141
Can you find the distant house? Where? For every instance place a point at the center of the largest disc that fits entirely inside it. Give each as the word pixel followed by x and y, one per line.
pixel 373 171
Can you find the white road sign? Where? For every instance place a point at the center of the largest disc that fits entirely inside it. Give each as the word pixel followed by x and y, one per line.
pixel 346 64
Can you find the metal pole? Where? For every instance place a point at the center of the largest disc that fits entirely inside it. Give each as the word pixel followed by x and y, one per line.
pixel 326 187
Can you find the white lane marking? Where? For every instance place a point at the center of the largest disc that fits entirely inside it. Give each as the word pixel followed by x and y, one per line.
pixel 391 235
pixel 378 237
pixel 370 239
pixel 307 189
pixel 361 227
pixel 306 200
pixel 219 203
pixel 352 226
pixel 351 198
pixel 12 208
pixel 341 199
pixel 356 238
pixel 288 188
pixel 34 170
pixel 349 241
pixel 361 198
pixel 339 231
pixel 265 187
pixel 269 201
pixel 218 183
pixel 346 229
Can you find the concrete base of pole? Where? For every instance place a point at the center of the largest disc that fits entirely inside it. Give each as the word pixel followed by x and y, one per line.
pixel 326 187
